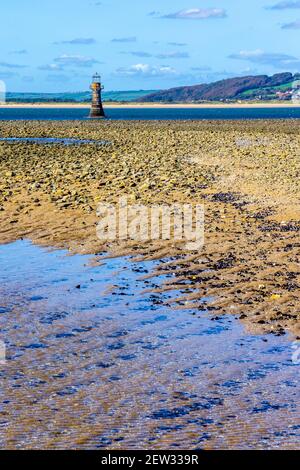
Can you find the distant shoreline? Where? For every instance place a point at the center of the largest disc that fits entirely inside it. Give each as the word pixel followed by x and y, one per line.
pixel 151 105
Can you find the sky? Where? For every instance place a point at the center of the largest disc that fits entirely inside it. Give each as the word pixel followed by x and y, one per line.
pixel 57 45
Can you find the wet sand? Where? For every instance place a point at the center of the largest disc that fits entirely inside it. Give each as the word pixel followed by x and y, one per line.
pixel 245 173
pixel 91 365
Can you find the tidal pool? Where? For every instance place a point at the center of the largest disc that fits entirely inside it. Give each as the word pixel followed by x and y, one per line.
pixel 93 362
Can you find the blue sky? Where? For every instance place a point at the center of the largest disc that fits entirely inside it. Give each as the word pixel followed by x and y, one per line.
pixel 144 44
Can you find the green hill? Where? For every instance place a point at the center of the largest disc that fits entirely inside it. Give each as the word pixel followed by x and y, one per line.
pixel 260 87
pixel 76 97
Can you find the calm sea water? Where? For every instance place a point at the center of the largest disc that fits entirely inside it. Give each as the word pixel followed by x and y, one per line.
pixel 152 114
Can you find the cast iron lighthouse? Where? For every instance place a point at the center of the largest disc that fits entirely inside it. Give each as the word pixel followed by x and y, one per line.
pixel 97 108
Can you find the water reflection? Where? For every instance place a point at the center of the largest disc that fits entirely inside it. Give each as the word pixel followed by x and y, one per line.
pixel 94 363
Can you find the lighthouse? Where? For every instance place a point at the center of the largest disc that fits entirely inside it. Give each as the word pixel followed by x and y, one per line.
pixel 96 108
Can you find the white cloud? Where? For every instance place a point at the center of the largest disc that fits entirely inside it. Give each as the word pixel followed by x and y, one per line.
pixel 127 39
pixel 12 66
pixel 277 60
pixel 167 55
pixel 173 55
pixel 197 14
pixel 78 41
pixel 50 67
pixel 139 53
pixel 177 44
pixel 19 52
pixel 66 60
pixel 293 25
pixel 146 70
pixel 285 5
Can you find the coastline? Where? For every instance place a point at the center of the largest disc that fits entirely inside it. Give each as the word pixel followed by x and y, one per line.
pixel 152 105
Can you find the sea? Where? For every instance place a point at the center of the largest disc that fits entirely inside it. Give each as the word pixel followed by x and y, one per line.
pixel 145 113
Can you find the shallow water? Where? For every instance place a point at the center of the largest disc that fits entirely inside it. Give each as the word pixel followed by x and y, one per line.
pixel 151 113
pixel 51 140
pixel 92 362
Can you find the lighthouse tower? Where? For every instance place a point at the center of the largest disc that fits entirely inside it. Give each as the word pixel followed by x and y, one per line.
pixel 96 108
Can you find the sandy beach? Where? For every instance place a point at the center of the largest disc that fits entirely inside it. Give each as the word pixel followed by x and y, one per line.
pixel 245 173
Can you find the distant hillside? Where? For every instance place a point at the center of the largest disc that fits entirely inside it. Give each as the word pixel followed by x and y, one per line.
pixel 262 87
pixel 76 97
